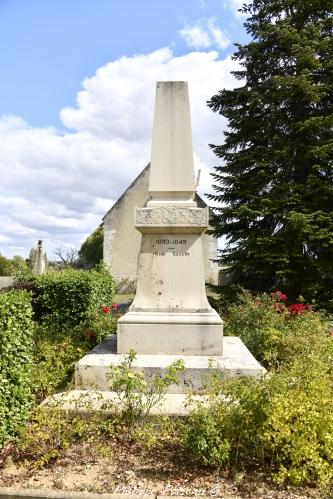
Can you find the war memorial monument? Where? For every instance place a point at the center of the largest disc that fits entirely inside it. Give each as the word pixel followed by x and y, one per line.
pixel 170 317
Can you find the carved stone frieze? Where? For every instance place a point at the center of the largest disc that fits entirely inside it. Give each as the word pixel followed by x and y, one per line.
pixel 172 215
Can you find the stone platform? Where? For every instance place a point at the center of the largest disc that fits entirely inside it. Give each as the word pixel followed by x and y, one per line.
pixel 237 360
pixel 105 402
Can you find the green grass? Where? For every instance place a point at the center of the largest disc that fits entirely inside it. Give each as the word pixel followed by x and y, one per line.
pixel 122 298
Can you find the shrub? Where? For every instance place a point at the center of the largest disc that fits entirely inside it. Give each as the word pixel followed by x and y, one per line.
pixel 68 307
pixel 99 324
pixel 16 331
pixel 26 281
pixel 68 298
pixel 50 432
pixel 283 422
pixel 298 432
pixel 56 351
pixel 272 330
pixel 55 354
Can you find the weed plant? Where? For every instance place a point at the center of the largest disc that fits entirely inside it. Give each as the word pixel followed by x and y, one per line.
pixel 137 395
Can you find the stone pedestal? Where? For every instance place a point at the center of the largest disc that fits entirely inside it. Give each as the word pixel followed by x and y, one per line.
pixel 91 371
pixel 170 313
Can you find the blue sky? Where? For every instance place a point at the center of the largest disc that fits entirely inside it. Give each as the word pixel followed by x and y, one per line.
pixel 75 74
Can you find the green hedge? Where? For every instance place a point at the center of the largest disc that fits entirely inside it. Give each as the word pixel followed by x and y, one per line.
pixel 71 297
pixel 16 343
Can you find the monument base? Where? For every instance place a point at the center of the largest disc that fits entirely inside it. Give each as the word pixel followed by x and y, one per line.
pixel 157 333
pixel 105 403
pixel 91 371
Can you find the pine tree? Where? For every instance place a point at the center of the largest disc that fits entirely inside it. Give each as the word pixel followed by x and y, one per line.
pixel 276 181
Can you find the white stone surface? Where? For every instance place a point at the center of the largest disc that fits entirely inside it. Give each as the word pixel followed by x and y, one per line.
pixel 39 264
pixel 121 242
pixel 184 334
pixel 170 317
pixel 170 275
pixel 236 360
pixel 173 404
pixel 6 281
pixel 170 313
pixel 172 216
pixel 172 171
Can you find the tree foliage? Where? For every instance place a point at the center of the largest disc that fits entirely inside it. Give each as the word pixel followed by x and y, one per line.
pixel 5 266
pixel 276 183
pixel 91 251
pixel 10 267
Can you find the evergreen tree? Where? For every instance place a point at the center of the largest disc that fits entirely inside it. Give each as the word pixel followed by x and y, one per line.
pixel 276 182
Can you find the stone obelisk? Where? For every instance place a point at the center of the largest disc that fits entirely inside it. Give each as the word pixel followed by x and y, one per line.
pixel 170 313
pixel 39 264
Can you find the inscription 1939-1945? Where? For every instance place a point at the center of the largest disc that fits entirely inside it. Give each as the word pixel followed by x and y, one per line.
pixel 169 245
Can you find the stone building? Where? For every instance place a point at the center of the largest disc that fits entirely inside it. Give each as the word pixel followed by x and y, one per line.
pixel 122 241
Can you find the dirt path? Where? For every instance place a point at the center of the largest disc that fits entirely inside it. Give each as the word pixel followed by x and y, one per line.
pixel 129 469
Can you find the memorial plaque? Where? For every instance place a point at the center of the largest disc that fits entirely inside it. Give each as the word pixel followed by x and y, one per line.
pixel 171 245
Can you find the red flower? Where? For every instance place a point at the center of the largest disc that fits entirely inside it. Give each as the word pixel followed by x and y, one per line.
pixel 298 308
pixel 106 310
pixel 278 295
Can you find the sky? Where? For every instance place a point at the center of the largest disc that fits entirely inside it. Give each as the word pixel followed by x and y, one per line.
pixel 77 85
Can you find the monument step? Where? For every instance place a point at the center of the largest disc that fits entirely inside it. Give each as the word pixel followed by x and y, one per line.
pixel 91 371
pixel 107 402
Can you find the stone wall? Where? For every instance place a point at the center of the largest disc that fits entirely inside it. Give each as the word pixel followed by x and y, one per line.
pixel 121 240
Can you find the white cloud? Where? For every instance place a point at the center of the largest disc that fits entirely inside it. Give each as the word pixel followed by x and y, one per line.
pixel 235 5
pixel 195 37
pixel 204 34
pixel 57 185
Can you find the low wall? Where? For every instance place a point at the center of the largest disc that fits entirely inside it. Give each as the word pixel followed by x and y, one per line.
pixel 6 281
